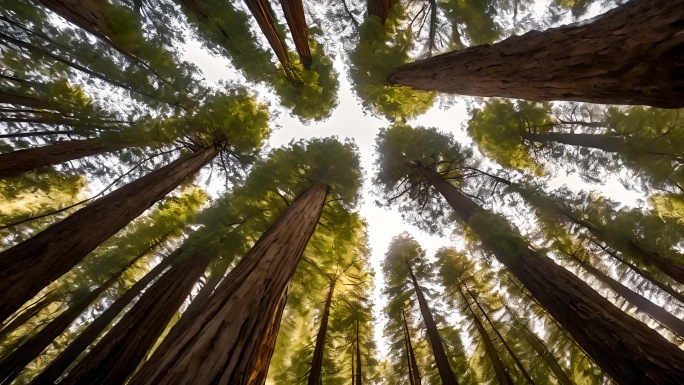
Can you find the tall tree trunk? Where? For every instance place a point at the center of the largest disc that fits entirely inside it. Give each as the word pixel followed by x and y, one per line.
pixel 262 358
pixel 262 13
pixel 226 341
pixel 637 300
pixel 28 313
pixel 120 351
pixel 69 355
pixel 606 143
pixel 21 100
pixel 37 133
pixel 629 351
pixel 379 8
pixel 28 267
pixel 317 360
pixel 294 14
pixel 629 55
pixel 201 298
pixel 541 349
pixel 12 365
pixel 499 370
pixel 414 373
pixel 353 357
pixel 358 356
pixel 17 162
pixel 441 360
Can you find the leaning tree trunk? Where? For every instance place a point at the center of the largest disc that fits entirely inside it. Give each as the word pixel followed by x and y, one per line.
pixel 414 373
pixel 69 355
pixel 317 361
pixel 629 55
pixel 441 360
pixel 28 267
pixel 262 13
pixel 226 341
pixel 626 349
pixel 120 351
pixel 637 300
pixel 27 313
pixel 18 162
pixel 294 14
pixel 22 100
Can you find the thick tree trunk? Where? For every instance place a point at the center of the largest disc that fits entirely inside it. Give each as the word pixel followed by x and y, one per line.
pixel 120 351
pixel 441 360
pixel 294 14
pixel 602 142
pixel 501 373
pixel 262 358
pixel 317 361
pixel 262 13
pixel 626 349
pixel 226 341
pixel 379 8
pixel 358 356
pixel 629 55
pixel 200 299
pixel 12 365
pixel 17 162
pixel 28 267
pixel 414 373
pixel 55 369
pixel 637 300
pixel 20 100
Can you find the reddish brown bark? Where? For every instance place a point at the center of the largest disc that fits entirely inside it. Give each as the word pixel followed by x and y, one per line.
pixel 414 373
pixel 17 162
pixel 120 351
pixel 317 360
pixel 262 13
pixel 226 342
pixel 626 349
pixel 69 355
pixel 294 14
pixel 28 267
pixel 629 55
pixel 441 360
pixel 11 98
pixel 379 8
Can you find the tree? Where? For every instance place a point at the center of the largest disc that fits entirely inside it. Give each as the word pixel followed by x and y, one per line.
pixel 404 161
pixel 524 66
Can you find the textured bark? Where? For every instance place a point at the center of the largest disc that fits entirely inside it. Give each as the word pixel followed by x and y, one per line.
pixel 379 8
pixel 637 300
pixel 226 343
pixel 294 14
pixel 626 349
pixel 501 373
pixel 262 358
pixel 12 365
pixel 317 360
pixel 20 100
pixel 55 369
pixel 632 54
pixel 28 267
pixel 414 373
pixel 120 351
pixel 17 162
pixel 441 360
pixel 262 13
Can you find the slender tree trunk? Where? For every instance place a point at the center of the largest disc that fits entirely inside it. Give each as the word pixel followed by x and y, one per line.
pixel 69 355
pixel 294 14
pixel 353 372
pixel 120 351
pixel 630 55
pixel 637 300
pixel 414 373
pixel 262 13
pixel 606 143
pixel 226 341
pixel 317 361
pixel 17 162
pixel 501 374
pixel 20 100
pixel 441 360
pixel 359 378
pixel 28 313
pixel 629 351
pixel 37 133
pixel 201 298
pixel 28 267
pixel 12 365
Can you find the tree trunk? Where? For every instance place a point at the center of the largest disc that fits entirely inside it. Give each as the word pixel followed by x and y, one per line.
pixel 267 344
pixel 18 162
pixel 12 365
pixel 317 361
pixel 55 369
pixel 441 360
pixel 262 13
pixel 196 7
pixel 414 373
pixel 358 356
pixel 630 55
pixel 294 14
pixel 28 267
pixel 637 300
pixel 28 313
pixel 606 143
pixel 201 298
pixel 627 350
pixel 120 351
pixel 20 100
pixel 501 374
pixel 226 341
pixel 379 8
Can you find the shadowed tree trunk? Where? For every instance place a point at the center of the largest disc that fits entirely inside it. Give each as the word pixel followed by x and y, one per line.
pixel 17 162
pixel 262 13
pixel 627 350
pixel 230 339
pixel 27 313
pixel 441 360
pixel 69 355
pixel 294 14
pixel 629 55
pixel 120 351
pixel 11 98
pixel 358 355
pixel 379 8
pixel 414 373
pixel 28 267
pixel 317 361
